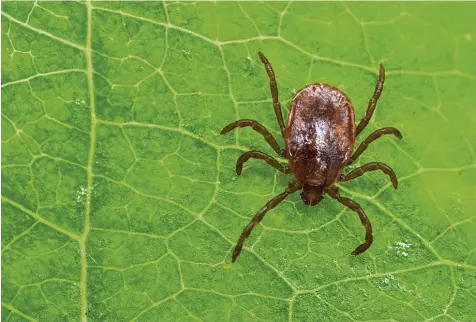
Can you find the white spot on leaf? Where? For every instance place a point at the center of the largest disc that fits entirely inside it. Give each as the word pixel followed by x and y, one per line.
pixel 81 193
pixel 402 248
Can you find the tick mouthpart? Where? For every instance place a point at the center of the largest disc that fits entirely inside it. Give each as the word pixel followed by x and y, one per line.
pixel 311 203
pixel 311 195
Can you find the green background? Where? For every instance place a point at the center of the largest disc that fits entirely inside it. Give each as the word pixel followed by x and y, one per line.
pixel 119 197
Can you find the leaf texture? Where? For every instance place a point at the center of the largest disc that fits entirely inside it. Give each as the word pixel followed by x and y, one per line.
pixel 120 200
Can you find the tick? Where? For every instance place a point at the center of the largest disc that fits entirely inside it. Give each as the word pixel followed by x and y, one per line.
pixel 319 139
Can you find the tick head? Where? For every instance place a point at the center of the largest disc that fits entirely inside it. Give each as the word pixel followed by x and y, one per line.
pixel 311 195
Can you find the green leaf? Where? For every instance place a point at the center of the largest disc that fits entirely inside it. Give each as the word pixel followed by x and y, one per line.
pixel 120 199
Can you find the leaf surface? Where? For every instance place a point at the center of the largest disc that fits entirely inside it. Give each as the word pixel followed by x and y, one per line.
pixel 120 199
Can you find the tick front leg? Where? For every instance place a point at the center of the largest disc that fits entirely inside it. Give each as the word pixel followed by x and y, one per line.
pixel 372 166
pixel 372 137
pixel 259 155
pixel 274 91
pixel 292 187
pixel 373 101
pixel 258 128
pixel 352 205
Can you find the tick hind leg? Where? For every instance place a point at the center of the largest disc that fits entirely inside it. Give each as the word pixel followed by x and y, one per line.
pixel 259 155
pixel 292 187
pixel 373 101
pixel 258 128
pixel 372 166
pixel 274 91
pixel 372 137
pixel 352 205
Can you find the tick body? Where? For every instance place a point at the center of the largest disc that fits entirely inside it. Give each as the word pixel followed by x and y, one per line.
pixel 319 137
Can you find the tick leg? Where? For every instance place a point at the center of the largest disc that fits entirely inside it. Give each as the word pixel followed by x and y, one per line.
pixel 372 166
pixel 373 102
pixel 352 205
pixel 258 128
pixel 372 137
pixel 259 155
pixel 274 91
pixel 292 187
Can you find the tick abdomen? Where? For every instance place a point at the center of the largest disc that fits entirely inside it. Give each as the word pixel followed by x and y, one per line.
pixel 319 134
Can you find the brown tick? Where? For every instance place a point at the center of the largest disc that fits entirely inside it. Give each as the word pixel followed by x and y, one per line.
pixel 319 138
